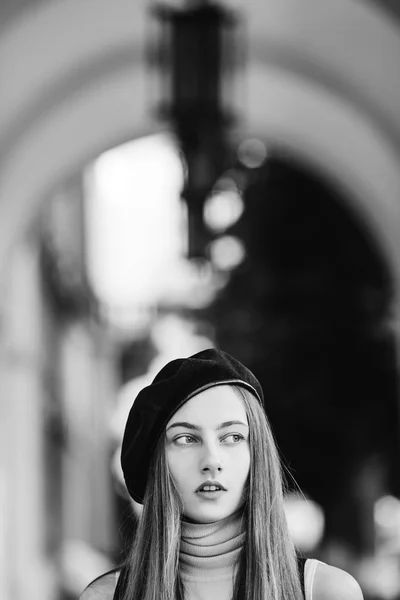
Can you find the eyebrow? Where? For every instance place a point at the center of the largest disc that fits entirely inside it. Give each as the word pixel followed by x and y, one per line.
pixel 187 425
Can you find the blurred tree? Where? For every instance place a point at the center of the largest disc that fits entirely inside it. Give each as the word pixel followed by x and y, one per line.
pixel 308 311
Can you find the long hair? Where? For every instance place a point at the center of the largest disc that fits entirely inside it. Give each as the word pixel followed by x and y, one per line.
pixel 267 566
pixel 153 561
pixel 268 563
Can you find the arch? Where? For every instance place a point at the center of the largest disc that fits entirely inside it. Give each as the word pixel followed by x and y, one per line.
pixel 342 143
pixel 57 104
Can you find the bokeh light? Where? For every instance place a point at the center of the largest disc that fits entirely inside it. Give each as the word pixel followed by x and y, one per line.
pixel 306 521
pixel 387 513
pixel 252 153
pixel 222 209
pixel 227 252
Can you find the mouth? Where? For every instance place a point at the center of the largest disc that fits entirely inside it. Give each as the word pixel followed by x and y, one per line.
pixel 210 487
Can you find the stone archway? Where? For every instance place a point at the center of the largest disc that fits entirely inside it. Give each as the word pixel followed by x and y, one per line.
pixel 65 103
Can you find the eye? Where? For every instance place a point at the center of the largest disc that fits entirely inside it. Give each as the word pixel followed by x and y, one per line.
pixel 233 438
pixel 185 440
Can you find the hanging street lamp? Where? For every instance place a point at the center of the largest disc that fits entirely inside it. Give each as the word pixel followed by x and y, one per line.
pixel 196 58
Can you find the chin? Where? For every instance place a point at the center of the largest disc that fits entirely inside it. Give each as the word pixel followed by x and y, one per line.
pixel 210 516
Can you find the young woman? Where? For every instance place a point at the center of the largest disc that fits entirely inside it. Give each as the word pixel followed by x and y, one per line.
pixel 199 454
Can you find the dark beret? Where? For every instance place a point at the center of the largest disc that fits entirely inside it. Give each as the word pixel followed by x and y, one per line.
pixel 175 384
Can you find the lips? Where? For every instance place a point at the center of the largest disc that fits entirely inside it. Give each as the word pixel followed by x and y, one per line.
pixel 211 486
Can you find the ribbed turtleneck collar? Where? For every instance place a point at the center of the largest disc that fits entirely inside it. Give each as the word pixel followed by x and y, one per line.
pixel 209 552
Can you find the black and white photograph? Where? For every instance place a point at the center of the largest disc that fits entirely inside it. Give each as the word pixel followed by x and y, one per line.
pixel 200 300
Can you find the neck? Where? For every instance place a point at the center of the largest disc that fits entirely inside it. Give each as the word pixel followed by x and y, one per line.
pixel 210 551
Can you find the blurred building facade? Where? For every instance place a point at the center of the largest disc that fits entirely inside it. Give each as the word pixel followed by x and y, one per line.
pixel 58 373
pixel 322 80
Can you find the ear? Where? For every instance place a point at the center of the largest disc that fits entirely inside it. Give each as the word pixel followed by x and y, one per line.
pixel 331 583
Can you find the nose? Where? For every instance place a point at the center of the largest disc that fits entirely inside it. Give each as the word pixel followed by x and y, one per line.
pixel 211 461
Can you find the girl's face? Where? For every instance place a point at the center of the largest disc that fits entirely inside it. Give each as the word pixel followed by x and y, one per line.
pixel 208 453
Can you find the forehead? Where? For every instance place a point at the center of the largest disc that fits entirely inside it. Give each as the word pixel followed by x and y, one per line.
pixel 211 407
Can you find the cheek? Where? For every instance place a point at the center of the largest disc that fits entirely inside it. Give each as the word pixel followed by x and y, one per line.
pixel 180 470
pixel 242 466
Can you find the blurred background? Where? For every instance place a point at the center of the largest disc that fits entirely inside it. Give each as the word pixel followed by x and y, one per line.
pixel 178 175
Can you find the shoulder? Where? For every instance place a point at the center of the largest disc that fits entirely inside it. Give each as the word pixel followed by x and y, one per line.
pixel 102 588
pixel 331 583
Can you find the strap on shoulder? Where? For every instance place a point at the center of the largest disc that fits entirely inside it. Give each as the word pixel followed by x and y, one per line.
pixel 301 562
pixel 120 583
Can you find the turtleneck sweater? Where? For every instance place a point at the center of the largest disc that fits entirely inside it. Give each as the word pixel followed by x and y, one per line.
pixel 208 557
